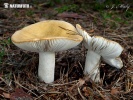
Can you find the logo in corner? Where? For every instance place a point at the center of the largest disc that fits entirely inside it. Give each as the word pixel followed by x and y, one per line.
pixel 7 5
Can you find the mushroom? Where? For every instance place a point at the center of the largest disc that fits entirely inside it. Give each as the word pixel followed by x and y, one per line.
pixel 99 48
pixel 46 38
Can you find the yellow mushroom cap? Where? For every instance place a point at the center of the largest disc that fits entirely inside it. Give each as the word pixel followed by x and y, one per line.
pixel 49 35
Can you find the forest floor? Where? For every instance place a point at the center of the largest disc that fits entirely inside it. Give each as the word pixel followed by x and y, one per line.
pixel 18 68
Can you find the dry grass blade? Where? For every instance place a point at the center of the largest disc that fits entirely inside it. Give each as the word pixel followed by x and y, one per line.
pixel 100 93
pixel 81 94
pixel 71 96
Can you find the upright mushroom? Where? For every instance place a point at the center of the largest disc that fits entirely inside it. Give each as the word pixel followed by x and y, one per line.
pixel 46 38
pixel 99 47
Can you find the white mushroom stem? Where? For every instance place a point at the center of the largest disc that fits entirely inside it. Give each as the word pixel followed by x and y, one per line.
pixel 46 66
pixel 92 59
pixel 92 65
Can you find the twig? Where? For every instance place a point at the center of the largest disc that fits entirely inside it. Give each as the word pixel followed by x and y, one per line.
pixel 100 93
pixel 116 82
pixel 80 65
pixel 25 88
pixel 39 97
pixel 81 95
pixel 64 83
pixel 7 83
pixel 120 36
pixel 71 96
pixel 4 81
pixel 102 80
pixel 115 97
pixel 60 58
pixel 54 92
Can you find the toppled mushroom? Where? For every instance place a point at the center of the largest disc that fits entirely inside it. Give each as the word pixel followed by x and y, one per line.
pixel 99 47
pixel 46 38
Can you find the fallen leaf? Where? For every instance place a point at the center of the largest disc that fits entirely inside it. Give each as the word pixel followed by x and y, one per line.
pixel 20 94
pixel 70 15
pixel 91 31
pixel 107 97
pixel 6 95
pixel 115 91
pixel 86 91
pixel 81 82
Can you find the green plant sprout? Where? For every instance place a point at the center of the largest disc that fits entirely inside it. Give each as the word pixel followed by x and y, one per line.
pixel 72 7
pixel 3 45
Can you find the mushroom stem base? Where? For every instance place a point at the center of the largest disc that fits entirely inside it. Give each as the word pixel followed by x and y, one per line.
pixel 92 65
pixel 46 66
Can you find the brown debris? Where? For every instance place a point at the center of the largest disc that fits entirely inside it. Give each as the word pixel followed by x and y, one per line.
pixel 20 94
pixel 69 15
